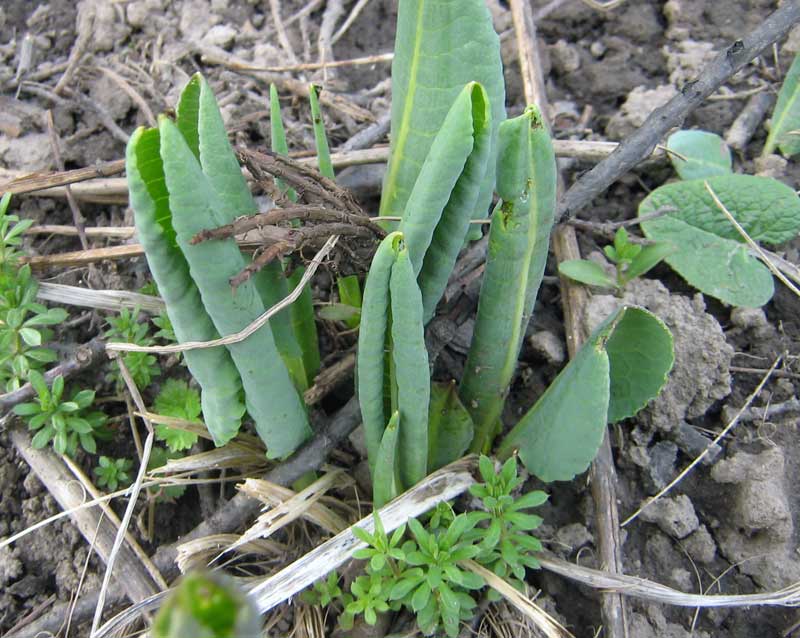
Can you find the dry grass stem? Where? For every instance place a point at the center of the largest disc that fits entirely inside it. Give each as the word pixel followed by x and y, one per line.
pixel 546 623
pixel 648 590
pixel 112 300
pixel 199 552
pixel 135 489
pixel 246 332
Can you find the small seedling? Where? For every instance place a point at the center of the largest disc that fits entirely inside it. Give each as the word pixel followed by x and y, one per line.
pixel 10 236
pixel 630 260
pixel 425 573
pixel 65 423
pixel 348 308
pixel 178 400
pixel 113 473
pixel 127 327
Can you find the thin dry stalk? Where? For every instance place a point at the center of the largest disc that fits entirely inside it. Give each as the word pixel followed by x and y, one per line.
pixel 330 64
pixel 354 13
pixel 709 447
pixel 112 300
pixel 283 38
pixel 137 486
pixel 544 621
pixel 289 507
pixel 246 332
pixel 132 93
pixel 197 553
pixel 648 590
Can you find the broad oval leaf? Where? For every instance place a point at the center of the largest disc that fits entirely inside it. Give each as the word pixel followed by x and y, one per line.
pixel 706 154
pixel 641 355
pixel 784 131
pixel 560 435
pixel 710 253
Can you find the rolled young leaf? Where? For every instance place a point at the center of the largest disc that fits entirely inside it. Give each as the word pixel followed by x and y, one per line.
pixel 270 397
pixel 518 242
pixel 412 374
pixel 372 344
pixel 302 310
pixel 213 368
pixel 445 194
pixel 385 482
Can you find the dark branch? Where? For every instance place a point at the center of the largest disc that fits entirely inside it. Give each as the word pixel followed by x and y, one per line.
pixel 639 145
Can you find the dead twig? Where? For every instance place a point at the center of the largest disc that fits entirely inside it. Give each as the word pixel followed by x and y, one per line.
pixel 602 471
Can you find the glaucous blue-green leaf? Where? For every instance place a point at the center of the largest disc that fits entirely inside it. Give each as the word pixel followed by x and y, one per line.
pixel 385 480
pixel 784 129
pixel 207 606
pixel 213 368
pixel 699 154
pixel 710 254
pixel 437 213
pixel 450 427
pixel 270 396
pixel 200 121
pixel 439 48
pixel 560 435
pixel 641 355
pixel 518 242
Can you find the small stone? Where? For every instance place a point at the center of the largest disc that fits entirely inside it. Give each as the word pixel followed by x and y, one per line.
pixel 661 468
pixel 10 566
pixel 597 48
pixel 744 466
pixel 548 346
pixel 773 166
pixel 32 484
pixel 574 536
pixel 692 443
pixel 220 35
pixel 565 57
pixel 674 516
pixel 700 545
pixel 640 102
pixel 748 318
pixel 137 14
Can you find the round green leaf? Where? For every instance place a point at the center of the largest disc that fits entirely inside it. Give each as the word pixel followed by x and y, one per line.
pixel 706 154
pixel 31 336
pixel 641 355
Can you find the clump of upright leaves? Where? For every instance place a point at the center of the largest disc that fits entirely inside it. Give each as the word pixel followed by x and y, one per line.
pixel 65 423
pixel 113 473
pixel 207 606
pixel 630 261
pixel 177 399
pixel 128 327
pixel 425 573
